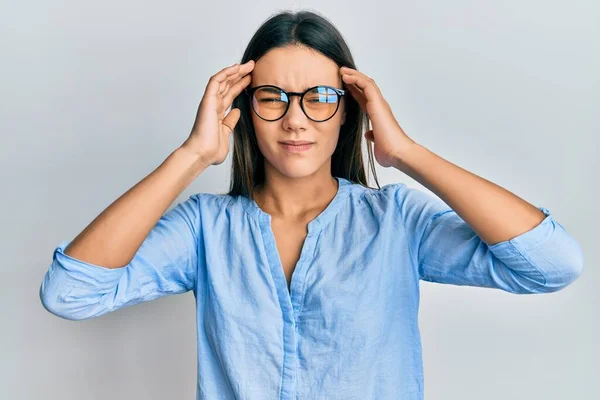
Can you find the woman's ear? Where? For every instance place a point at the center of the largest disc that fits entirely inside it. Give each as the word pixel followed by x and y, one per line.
pixel 343 117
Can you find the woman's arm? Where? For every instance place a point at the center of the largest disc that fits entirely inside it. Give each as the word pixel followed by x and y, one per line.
pixel 493 212
pixel 128 255
pixel 131 252
pixel 113 237
pixel 483 235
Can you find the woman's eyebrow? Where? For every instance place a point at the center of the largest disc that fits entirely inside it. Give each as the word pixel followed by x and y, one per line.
pixel 304 88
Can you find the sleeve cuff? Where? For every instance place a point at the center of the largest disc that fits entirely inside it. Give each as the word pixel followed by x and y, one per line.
pixel 83 271
pixel 526 241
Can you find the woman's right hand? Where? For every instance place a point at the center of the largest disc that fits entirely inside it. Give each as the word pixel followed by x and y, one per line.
pixel 212 128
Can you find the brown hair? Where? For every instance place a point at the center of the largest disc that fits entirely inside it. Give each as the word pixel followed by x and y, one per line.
pixel 307 29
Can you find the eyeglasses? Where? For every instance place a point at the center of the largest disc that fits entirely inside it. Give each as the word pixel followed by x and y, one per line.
pixel 319 103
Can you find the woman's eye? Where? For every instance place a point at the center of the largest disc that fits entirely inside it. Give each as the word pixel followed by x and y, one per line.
pixel 271 100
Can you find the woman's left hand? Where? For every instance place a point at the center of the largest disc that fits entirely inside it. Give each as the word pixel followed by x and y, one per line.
pixel 390 141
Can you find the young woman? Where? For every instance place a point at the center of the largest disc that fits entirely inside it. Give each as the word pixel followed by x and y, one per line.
pixel 306 280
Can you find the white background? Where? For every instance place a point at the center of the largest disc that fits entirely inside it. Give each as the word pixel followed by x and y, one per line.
pixel 93 97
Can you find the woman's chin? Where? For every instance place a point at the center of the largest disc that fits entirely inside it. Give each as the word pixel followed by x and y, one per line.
pixel 297 168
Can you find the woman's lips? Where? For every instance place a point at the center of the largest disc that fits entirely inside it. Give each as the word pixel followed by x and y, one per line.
pixel 296 148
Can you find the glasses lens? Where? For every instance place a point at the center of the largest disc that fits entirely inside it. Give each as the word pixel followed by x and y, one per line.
pixel 319 104
pixel 269 102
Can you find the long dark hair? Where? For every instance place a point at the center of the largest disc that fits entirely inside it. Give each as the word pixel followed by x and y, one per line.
pixel 307 29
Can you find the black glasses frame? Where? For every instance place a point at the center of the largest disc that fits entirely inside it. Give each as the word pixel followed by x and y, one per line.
pixel 340 93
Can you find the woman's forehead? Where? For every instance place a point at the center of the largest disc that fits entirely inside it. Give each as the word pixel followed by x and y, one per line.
pixel 295 69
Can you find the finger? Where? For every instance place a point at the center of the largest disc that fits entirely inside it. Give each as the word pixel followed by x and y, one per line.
pixel 232 71
pixel 230 82
pixel 223 86
pixel 235 90
pixel 358 95
pixel 367 85
pixel 352 71
pixel 215 81
pixel 227 83
pixel 230 121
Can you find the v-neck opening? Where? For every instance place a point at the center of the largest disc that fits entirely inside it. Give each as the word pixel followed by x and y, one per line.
pixel 290 297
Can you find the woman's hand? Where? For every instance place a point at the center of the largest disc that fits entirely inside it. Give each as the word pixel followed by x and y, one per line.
pixel 387 135
pixel 210 134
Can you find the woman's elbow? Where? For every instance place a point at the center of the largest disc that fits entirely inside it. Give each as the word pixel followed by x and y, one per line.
pixel 71 309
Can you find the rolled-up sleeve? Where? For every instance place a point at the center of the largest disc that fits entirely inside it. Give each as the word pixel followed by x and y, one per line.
pixel 544 259
pixel 165 263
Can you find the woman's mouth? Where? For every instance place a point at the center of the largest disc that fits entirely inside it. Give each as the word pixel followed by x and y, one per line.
pixel 296 148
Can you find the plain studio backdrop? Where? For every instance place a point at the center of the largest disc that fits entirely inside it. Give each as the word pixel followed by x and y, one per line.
pixel 96 96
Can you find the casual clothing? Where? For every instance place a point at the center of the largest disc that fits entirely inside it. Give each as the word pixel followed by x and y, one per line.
pixel 348 326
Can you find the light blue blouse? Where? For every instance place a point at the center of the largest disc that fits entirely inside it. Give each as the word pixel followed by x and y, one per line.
pixel 348 326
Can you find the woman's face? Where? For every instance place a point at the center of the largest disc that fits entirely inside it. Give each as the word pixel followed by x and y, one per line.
pixel 295 69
